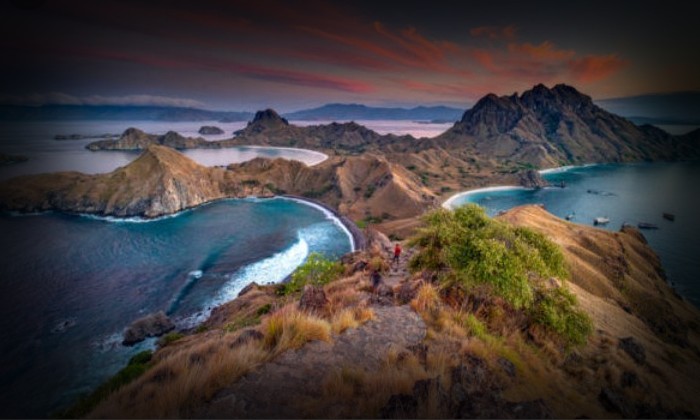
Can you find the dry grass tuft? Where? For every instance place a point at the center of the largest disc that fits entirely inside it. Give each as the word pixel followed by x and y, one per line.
pixel 289 328
pixel 350 318
pixel 427 300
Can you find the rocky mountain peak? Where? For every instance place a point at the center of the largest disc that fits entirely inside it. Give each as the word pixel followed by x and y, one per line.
pixel 559 97
pixel 269 117
pixel 133 132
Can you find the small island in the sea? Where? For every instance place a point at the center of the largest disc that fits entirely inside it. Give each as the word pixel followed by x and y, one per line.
pixel 348 211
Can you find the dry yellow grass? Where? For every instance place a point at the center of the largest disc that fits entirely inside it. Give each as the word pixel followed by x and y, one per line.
pixel 288 328
pixel 427 299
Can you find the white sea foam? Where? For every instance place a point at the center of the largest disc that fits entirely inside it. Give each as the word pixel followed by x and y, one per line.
pixel 448 204
pixel 566 168
pixel 320 156
pixel 134 219
pixel 329 215
pixel 273 269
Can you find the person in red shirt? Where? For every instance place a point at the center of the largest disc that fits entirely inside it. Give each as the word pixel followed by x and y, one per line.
pixel 397 253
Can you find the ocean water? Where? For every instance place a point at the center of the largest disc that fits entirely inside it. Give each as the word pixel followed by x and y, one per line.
pixel 97 276
pixel 630 193
pixel 36 141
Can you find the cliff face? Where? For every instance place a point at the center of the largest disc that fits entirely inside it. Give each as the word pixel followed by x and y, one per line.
pixel 163 181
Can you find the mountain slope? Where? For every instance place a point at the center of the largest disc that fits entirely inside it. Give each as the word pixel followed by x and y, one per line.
pixel 551 127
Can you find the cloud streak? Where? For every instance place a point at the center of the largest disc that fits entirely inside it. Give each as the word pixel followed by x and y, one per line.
pixel 59 98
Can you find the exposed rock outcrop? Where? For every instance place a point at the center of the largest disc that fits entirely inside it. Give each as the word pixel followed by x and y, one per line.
pixel 153 325
pixel 532 179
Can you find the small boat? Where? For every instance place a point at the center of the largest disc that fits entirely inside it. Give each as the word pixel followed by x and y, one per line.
pixel 570 216
pixel 669 216
pixel 601 221
pixel 645 225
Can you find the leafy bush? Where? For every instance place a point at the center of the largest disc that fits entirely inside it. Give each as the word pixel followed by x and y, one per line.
pixel 557 311
pixel 467 248
pixel 264 309
pixel 170 338
pixel 317 270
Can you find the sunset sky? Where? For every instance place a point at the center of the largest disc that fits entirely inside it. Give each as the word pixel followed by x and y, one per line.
pixel 247 55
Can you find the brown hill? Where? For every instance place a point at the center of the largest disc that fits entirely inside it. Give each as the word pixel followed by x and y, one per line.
pixel 163 181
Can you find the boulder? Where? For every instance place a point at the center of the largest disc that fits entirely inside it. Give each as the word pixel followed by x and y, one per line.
pixel 153 325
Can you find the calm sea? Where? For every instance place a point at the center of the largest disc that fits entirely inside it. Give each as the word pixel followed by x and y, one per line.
pixel 632 194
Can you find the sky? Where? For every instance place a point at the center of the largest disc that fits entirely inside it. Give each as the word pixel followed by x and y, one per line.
pixel 290 55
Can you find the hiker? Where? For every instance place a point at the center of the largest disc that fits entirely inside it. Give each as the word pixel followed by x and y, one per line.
pixel 397 253
pixel 376 278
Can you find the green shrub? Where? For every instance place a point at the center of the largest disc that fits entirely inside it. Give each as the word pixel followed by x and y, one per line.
pixel 557 311
pixel 170 338
pixel 316 270
pixel 137 365
pixel 371 188
pixel 264 309
pixel 465 247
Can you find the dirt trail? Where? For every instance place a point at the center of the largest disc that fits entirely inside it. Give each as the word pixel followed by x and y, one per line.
pixel 276 389
pixel 398 272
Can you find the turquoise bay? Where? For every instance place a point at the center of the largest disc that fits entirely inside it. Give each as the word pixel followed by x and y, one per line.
pixel 97 276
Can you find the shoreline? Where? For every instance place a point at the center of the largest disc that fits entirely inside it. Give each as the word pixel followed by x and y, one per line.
pixel 447 204
pixel 357 238
pixel 314 152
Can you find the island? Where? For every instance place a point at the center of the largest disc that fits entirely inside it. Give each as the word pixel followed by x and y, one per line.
pixel 524 315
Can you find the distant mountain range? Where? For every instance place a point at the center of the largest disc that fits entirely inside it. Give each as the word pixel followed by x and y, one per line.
pixel 116 113
pixel 662 108
pixel 671 108
pixel 339 112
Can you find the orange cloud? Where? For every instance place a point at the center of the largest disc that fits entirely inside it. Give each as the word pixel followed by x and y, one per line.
pixel 592 68
pixel 494 32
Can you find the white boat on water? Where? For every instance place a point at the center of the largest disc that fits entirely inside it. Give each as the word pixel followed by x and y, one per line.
pixel 601 221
